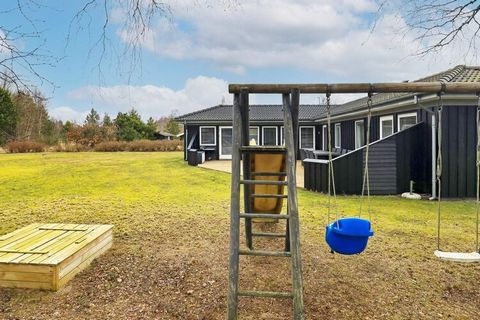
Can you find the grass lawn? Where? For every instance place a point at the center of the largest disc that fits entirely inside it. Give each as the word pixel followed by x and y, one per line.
pixel 170 256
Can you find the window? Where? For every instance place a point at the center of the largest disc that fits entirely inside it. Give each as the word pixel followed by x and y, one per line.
pixel 324 138
pixel 338 135
pixel 406 120
pixel 254 136
pixel 386 126
pixel 359 134
pixel 270 137
pixel 282 135
pixel 208 136
pixel 307 137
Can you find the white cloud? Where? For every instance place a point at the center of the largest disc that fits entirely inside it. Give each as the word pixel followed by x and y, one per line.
pixel 332 37
pixel 148 100
pixel 65 113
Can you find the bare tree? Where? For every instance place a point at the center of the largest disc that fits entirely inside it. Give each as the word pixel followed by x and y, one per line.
pixel 437 24
pixel 20 67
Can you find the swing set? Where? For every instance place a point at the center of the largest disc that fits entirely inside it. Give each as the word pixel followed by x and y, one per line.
pixel 347 235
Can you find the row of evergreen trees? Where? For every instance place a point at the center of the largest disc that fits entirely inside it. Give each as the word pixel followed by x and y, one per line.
pixel 24 116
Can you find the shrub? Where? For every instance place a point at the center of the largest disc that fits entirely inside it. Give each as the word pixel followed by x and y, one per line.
pixel 25 146
pixel 70 147
pixel 155 145
pixel 139 146
pixel 111 146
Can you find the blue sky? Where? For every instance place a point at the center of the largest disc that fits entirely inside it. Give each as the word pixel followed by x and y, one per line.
pixel 188 59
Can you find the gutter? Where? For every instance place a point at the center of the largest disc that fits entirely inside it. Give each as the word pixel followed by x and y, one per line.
pixel 405 105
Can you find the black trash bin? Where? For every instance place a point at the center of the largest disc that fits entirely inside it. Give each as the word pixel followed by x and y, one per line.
pixel 192 157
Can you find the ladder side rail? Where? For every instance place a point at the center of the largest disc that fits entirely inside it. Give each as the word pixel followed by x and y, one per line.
pixel 298 307
pixel 234 257
pixel 247 190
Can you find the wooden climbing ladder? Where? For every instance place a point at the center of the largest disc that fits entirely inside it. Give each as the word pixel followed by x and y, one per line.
pixel 242 150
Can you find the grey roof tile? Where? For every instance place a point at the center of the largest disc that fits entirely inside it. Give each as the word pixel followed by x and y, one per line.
pixel 257 113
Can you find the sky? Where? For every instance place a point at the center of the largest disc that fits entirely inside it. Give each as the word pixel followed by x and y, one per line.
pixel 187 58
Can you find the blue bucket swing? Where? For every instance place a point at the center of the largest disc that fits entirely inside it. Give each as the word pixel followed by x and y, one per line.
pixel 349 235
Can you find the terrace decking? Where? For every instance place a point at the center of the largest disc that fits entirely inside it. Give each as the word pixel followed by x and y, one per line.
pixel 47 256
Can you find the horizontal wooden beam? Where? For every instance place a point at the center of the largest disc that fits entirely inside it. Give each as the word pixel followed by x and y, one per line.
pixel 424 87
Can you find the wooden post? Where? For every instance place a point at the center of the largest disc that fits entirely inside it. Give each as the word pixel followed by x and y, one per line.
pixel 294 105
pixel 247 201
pixel 298 309
pixel 235 210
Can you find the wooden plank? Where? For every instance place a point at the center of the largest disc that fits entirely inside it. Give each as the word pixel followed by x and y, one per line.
pixel 28 243
pixel 26 284
pixel 16 237
pixel 87 250
pixel 52 246
pixel 26 276
pixel 60 242
pixel 72 248
pixel 9 267
pixel 62 281
pixel 5 239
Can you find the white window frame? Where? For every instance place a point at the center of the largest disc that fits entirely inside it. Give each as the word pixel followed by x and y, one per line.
pixel 258 134
pixel 282 132
pixel 220 155
pixel 384 118
pixel 263 134
pixel 406 115
pixel 363 133
pixel 300 136
pixel 339 136
pixel 214 135
pixel 324 137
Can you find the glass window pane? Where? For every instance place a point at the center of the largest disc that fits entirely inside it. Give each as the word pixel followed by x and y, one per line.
pixel 338 136
pixel 227 134
pixel 207 135
pixel 325 138
pixel 306 138
pixel 269 136
pixel 253 136
pixel 407 122
pixel 359 134
pixel 387 128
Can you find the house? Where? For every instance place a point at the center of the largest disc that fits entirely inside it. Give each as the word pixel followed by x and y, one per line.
pixel 402 134
pixel 210 130
pixel 164 136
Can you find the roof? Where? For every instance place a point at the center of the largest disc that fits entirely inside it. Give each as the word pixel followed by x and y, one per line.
pixel 272 112
pixel 460 73
pixel 166 134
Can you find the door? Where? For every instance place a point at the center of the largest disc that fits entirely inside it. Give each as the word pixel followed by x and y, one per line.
pixel 226 135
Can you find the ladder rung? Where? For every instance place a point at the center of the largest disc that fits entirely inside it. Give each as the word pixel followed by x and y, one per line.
pixel 265 182
pixel 268 235
pixel 269 174
pixel 264 253
pixel 264 215
pixel 260 195
pixel 265 294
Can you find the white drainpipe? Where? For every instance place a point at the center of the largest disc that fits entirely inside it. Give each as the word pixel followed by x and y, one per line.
pixel 434 157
